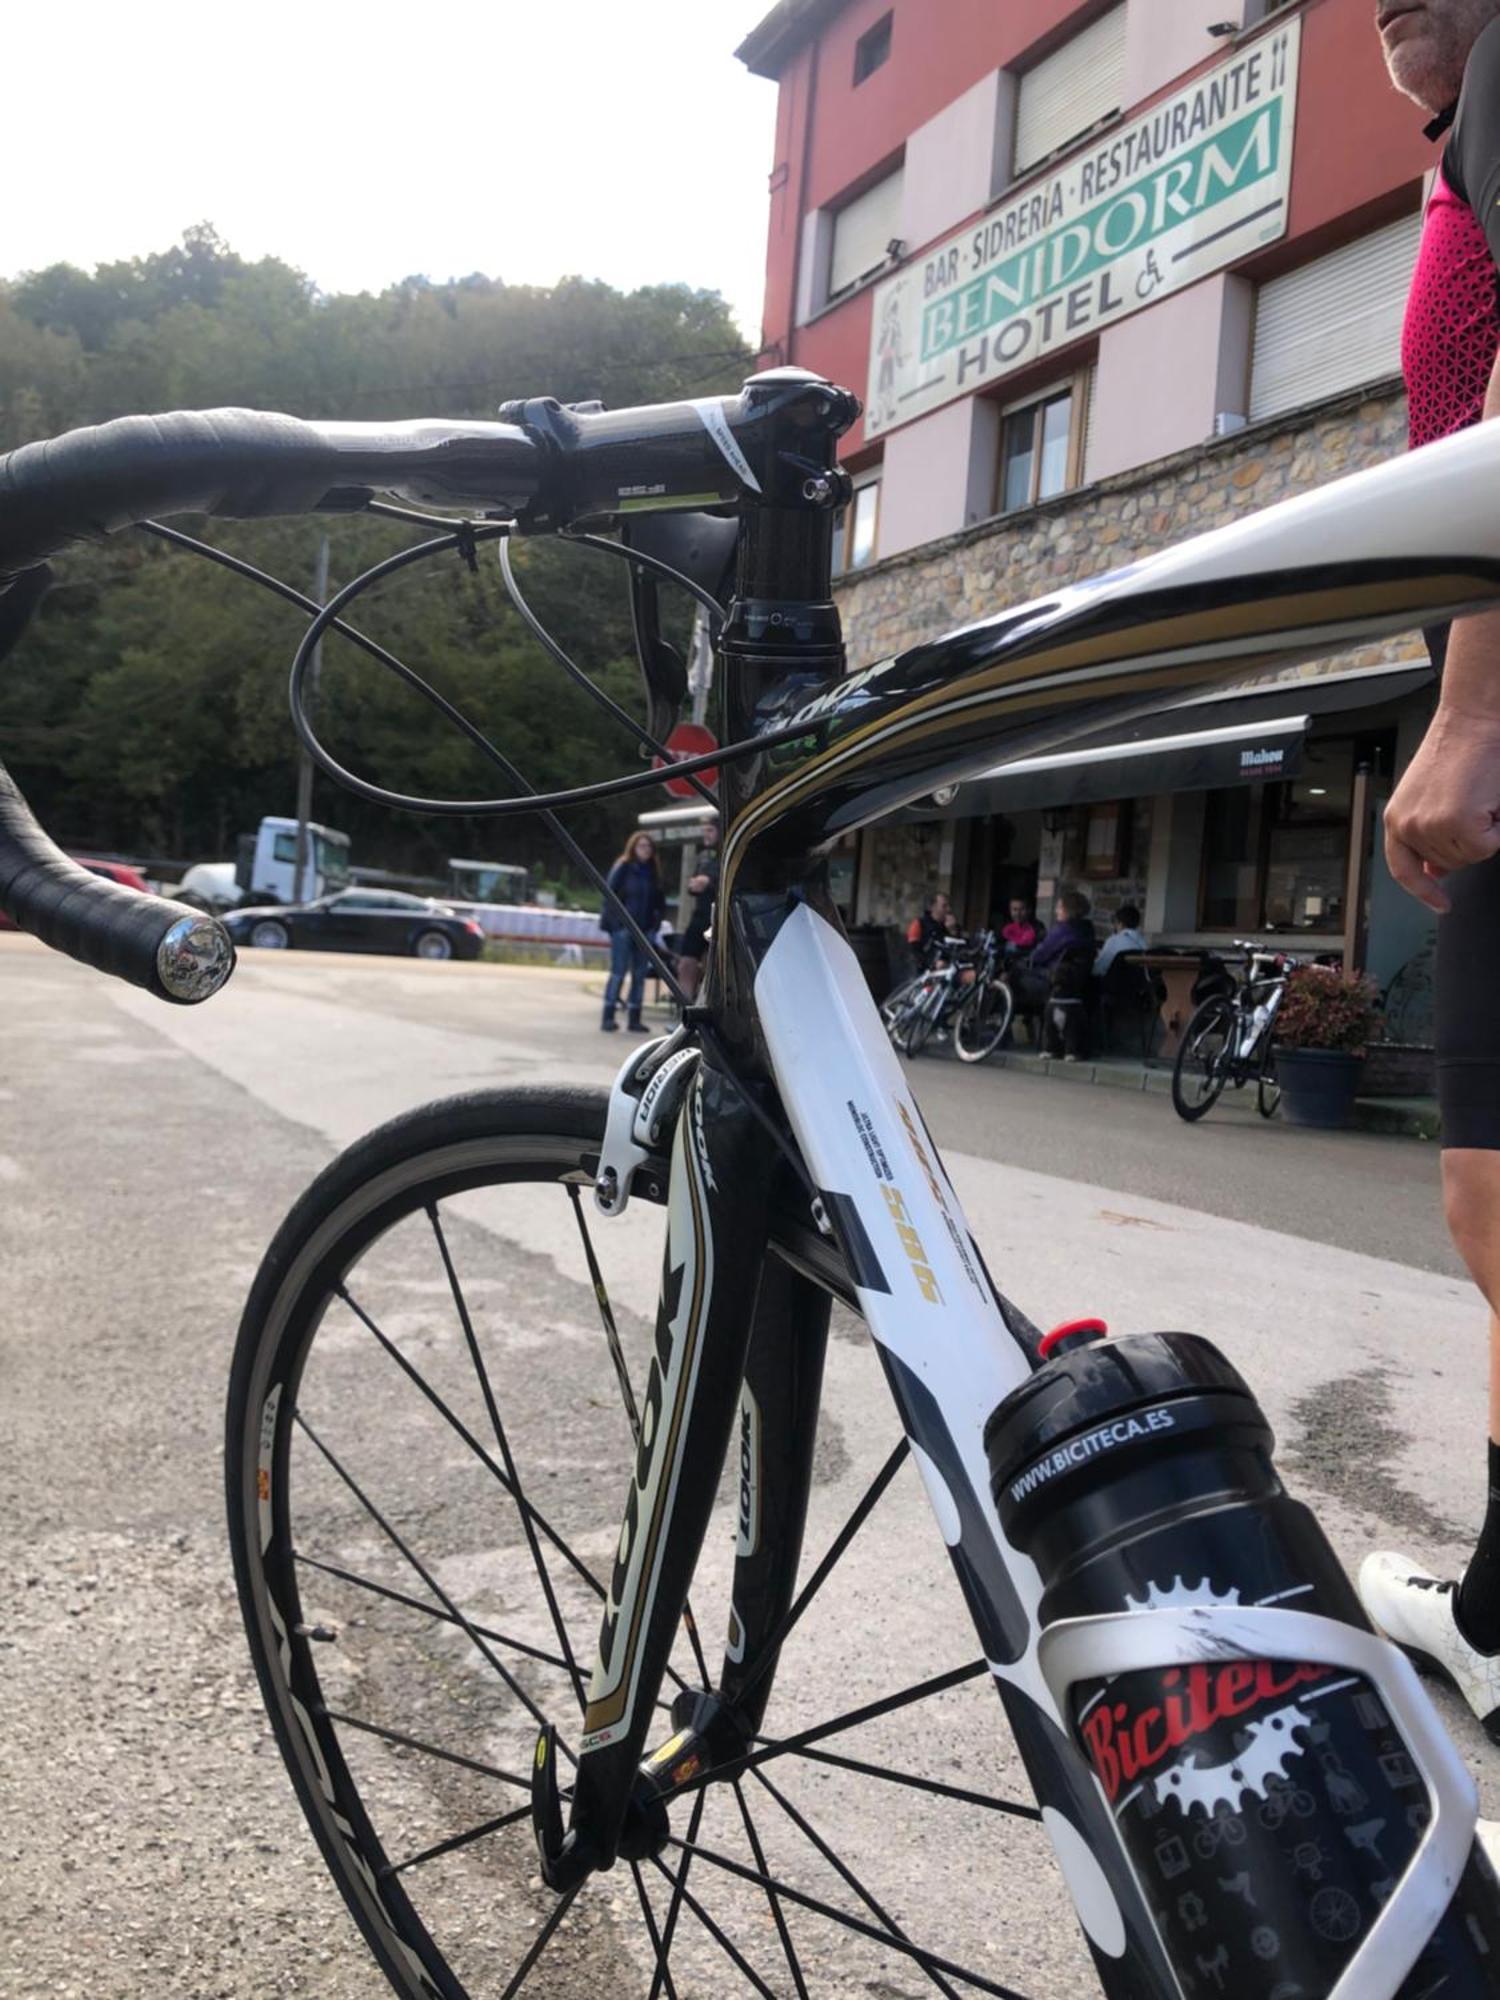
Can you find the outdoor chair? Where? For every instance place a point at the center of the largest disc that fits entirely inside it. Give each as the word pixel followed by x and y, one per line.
pixel 1129 1004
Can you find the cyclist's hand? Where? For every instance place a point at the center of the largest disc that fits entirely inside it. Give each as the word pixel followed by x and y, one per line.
pixel 697 884
pixel 1445 813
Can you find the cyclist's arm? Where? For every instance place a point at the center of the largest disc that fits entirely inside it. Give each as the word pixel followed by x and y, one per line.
pixel 1445 813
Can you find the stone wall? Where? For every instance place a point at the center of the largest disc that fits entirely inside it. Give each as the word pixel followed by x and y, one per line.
pixel 1007 560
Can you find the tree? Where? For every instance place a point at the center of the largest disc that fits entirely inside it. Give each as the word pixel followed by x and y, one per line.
pixel 146 711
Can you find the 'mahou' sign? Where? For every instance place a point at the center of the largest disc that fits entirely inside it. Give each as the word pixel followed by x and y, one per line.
pixel 1195 183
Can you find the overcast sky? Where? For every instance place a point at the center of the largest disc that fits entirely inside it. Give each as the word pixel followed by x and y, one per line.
pixel 365 140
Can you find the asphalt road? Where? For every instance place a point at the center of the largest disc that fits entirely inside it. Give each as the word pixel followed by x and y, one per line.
pixel 150 1842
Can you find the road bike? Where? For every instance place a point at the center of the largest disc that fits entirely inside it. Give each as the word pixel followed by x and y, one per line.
pixel 964 994
pixel 1230 1037
pixel 545 1729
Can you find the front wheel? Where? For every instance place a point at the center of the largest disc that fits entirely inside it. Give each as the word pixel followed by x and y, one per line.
pixel 1203 1060
pixel 428 1454
pixel 983 1021
pixel 270 935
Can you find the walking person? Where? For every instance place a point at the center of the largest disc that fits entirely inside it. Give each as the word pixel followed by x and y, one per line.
pixel 703 886
pixel 635 879
pixel 1442 825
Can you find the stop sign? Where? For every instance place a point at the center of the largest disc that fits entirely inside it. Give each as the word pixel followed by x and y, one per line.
pixel 690 739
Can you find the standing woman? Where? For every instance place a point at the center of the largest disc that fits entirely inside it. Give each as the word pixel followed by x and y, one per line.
pixel 635 880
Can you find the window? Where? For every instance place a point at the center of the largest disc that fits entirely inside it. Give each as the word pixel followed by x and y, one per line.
pixel 872 48
pixel 1068 92
pixel 1332 323
pixel 861 521
pixel 1041 447
pixel 1278 855
pixel 861 231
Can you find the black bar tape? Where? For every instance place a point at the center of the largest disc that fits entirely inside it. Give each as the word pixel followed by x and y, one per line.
pixel 174 952
pixel 240 464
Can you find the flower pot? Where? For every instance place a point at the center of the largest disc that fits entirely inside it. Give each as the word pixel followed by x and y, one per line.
pixel 1400 1069
pixel 1318 1086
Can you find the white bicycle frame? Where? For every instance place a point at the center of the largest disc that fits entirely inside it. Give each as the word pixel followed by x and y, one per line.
pixel 936 1322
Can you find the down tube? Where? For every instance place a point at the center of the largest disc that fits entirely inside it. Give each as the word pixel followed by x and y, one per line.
pixel 949 1359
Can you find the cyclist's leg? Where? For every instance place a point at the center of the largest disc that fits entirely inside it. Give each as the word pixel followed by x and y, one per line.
pixel 1459 1627
pixel 637 984
pixel 621 944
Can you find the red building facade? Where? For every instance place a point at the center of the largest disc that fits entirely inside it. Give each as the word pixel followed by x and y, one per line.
pixel 1103 274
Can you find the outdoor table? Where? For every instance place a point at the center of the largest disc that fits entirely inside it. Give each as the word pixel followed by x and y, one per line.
pixel 1178 971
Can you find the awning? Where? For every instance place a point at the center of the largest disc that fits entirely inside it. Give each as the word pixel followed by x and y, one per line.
pixel 1202 744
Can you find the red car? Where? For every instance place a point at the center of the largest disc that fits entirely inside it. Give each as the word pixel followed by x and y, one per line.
pixel 112 871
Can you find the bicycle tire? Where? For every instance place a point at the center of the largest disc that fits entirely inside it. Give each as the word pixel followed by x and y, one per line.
pixel 1267 1089
pixel 1196 1055
pixel 332 1682
pixel 918 1028
pixel 983 1021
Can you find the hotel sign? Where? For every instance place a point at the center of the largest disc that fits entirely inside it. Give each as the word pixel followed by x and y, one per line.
pixel 1197 182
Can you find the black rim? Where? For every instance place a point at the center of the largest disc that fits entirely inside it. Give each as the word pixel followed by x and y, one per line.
pixel 423 1668
pixel 982 1023
pixel 1204 1059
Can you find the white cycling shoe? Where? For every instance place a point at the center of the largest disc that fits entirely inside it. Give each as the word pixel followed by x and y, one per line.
pixel 1416 1611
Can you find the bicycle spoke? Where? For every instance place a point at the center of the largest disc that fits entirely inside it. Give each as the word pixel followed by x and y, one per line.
pixel 627 1392
pixel 786 1745
pixel 928 1960
pixel 461 1428
pixel 779 1915
pixel 756 1672
pixel 539 1945
pixel 432 1584
pixel 1015 1808
pixel 460 1305
pixel 406 1742
pixel 651 1930
pixel 434 1611
pixel 735 1956
pixel 679 1890
pixel 606 1315
pixel 847 1875
pixel 456 1841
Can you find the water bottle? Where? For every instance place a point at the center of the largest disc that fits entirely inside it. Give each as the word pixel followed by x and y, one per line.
pixel 1299 1823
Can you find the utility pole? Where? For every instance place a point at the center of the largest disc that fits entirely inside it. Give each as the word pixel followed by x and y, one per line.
pixel 301 873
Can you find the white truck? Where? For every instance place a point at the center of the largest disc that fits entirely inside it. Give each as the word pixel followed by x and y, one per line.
pixel 266 865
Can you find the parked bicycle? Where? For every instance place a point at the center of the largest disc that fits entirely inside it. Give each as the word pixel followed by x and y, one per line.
pixel 482 1671
pixel 964 994
pixel 1230 1038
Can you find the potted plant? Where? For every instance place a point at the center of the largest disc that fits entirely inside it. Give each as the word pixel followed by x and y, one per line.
pixel 1323 1028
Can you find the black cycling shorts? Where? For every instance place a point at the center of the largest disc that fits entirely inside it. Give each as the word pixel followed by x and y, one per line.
pixel 1467 997
pixel 694 941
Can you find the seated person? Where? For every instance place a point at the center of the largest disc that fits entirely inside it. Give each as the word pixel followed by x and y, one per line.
pixel 1069 944
pixel 925 933
pixel 1125 935
pixel 1020 934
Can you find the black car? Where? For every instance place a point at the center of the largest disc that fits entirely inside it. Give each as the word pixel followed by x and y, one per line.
pixel 360 920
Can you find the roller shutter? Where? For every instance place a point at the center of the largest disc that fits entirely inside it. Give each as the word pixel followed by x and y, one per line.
pixel 1333 323
pixel 861 232
pixel 1071 90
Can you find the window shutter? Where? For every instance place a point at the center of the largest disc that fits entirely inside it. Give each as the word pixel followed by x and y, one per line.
pixel 1333 323
pixel 862 230
pixel 1071 90
pixel 1090 384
